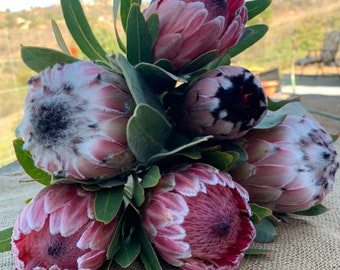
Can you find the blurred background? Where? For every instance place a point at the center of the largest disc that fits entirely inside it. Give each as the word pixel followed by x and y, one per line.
pixel 285 59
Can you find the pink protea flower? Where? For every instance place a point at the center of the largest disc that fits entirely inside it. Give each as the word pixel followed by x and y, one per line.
pixel 291 167
pixel 225 102
pixel 75 121
pixel 190 28
pixel 58 230
pixel 198 218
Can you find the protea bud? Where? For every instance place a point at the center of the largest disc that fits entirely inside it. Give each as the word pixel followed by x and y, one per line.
pixel 190 28
pixel 225 102
pixel 198 218
pixel 291 167
pixel 58 230
pixel 75 121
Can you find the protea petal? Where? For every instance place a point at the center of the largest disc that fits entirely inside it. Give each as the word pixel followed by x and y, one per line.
pixel 64 237
pixel 291 167
pixel 209 229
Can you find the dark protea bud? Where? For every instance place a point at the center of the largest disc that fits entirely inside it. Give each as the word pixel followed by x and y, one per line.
pixel 225 102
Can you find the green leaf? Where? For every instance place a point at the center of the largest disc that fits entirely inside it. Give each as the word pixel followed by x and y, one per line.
pixel 38 59
pixel 199 62
pixel 159 78
pixel 116 4
pixel 271 120
pixel 147 132
pixel 26 161
pixel 107 203
pixel 147 252
pixel 125 7
pixel 153 28
pixel 314 210
pixel 251 35
pixel 139 43
pixel 5 239
pixel 223 60
pixel 59 38
pixel 164 155
pixel 80 30
pixel 256 7
pixel 139 89
pixel 138 193
pixel 128 252
pixel 116 239
pixel 265 231
pixel 151 178
pixel 218 159
pixel 259 213
pixel 278 104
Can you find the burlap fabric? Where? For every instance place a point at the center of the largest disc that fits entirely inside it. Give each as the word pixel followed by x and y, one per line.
pixel 311 243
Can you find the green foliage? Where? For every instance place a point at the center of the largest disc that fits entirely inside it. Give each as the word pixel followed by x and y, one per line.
pixel 27 163
pixel 5 239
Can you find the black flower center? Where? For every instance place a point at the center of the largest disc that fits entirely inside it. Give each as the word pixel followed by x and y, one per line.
pixel 221 227
pixel 55 249
pixel 216 8
pixel 51 121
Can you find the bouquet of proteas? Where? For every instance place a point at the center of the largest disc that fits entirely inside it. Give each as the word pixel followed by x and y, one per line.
pixel 164 149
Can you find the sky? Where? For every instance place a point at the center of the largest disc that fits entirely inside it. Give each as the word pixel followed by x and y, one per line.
pixel 16 5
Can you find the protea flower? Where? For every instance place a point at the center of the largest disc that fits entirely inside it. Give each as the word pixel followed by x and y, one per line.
pixel 75 121
pixel 190 28
pixel 225 102
pixel 291 167
pixel 198 218
pixel 58 230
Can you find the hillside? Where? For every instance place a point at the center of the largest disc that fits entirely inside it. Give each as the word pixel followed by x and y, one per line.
pixel 303 21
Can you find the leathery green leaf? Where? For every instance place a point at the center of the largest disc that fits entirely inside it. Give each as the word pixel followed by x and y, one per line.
pixel 38 59
pixel 107 203
pixel 147 132
pixel 150 179
pixel 147 252
pixel 81 31
pixel 5 239
pixel 138 42
pixel 27 163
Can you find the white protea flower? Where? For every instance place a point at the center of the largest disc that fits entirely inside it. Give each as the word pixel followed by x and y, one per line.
pixel 291 167
pixel 198 218
pixel 75 121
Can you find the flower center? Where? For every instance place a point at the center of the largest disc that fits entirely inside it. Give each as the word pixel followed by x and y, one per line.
pixel 50 122
pixel 55 248
pixel 216 8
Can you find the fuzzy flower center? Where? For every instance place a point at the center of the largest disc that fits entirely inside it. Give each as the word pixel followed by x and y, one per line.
pixel 216 8
pixel 51 122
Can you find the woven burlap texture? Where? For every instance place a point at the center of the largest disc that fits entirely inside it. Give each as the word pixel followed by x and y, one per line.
pixel 304 243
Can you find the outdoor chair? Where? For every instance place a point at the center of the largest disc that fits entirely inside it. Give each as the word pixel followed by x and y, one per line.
pixel 327 54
